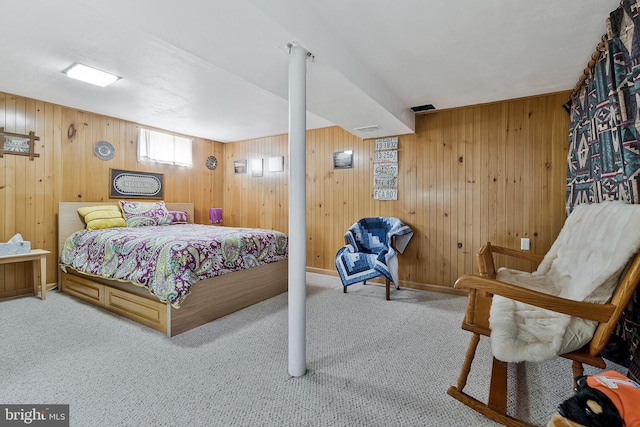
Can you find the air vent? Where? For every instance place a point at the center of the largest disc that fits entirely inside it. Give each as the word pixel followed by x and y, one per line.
pixel 368 128
pixel 425 107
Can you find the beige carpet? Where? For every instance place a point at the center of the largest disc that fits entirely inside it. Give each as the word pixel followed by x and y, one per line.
pixel 370 362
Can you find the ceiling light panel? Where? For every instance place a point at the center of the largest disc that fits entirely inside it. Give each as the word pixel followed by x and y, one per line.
pixel 90 75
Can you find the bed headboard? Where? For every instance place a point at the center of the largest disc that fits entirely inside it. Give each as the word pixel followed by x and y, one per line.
pixel 69 220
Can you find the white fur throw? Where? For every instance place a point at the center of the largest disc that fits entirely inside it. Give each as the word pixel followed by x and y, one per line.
pixel 584 264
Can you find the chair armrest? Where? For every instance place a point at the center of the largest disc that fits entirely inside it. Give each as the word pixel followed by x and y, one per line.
pixel 584 310
pixel 484 258
pixel 515 253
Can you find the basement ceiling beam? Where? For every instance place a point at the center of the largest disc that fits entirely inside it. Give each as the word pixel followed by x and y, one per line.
pixel 300 20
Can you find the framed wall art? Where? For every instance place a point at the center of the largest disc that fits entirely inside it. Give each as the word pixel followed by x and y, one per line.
pixel 19 144
pixel 129 184
pixel 257 168
pixel 343 159
pixel 240 167
pixel 275 164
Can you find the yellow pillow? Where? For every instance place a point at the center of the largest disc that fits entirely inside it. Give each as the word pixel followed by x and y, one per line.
pixel 89 209
pixel 105 216
pixel 98 224
pixel 102 215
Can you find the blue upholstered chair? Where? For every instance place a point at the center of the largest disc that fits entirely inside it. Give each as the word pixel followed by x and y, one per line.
pixel 370 249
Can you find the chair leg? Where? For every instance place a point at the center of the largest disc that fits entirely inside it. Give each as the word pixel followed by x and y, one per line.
pixel 578 371
pixel 483 409
pixel 496 408
pixel 498 387
pixel 577 368
pixel 388 286
pixel 344 289
pixel 468 359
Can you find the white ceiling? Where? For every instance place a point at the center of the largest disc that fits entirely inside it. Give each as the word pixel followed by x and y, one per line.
pixel 218 69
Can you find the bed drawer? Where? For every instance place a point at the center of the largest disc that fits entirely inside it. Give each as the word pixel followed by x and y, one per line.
pixel 84 289
pixel 142 310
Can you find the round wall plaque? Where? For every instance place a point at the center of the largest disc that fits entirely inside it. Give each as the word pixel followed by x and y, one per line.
pixel 212 162
pixel 104 150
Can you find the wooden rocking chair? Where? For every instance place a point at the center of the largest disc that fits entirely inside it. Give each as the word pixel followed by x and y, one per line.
pixel 481 289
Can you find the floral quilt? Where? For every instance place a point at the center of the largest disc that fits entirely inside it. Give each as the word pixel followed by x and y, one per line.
pixel 168 260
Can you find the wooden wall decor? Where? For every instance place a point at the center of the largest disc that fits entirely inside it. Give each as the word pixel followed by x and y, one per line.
pixel 19 144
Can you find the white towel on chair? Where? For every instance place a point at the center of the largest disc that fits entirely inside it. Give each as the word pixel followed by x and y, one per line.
pixel 583 264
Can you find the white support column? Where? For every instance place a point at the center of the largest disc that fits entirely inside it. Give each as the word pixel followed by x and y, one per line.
pixel 297 211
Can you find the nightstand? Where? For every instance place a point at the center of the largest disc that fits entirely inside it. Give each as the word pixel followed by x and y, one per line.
pixel 39 259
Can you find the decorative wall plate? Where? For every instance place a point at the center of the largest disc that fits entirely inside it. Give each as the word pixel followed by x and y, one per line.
pixel 212 162
pixel 104 150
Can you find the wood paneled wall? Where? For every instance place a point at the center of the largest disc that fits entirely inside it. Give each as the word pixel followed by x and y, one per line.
pixel 67 170
pixel 261 202
pixel 493 172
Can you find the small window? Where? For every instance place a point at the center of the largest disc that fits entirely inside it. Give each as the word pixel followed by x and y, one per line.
pixel 160 147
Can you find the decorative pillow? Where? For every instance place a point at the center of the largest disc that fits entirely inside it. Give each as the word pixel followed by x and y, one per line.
pixel 99 224
pixel 140 214
pixel 179 217
pixel 105 216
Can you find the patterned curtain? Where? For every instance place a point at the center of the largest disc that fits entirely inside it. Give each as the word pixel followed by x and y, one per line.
pixel 604 151
pixel 604 157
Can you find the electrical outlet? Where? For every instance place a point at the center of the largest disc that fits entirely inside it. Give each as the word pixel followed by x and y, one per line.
pixel 525 244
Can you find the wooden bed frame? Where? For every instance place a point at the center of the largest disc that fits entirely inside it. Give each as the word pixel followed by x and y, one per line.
pixel 209 299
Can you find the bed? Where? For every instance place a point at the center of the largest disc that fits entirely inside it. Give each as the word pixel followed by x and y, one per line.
pixel 207 299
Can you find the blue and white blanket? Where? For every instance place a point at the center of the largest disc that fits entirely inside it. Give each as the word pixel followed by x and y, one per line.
pixel 368 252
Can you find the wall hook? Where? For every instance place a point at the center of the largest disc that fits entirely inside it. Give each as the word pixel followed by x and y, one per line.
pixel 71 132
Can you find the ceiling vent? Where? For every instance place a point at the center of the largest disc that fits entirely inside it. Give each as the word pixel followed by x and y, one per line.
pixel 368 128
pixel 425 107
